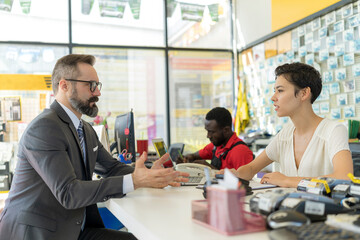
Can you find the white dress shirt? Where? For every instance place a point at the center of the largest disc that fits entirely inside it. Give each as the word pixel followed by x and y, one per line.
pixel 329 138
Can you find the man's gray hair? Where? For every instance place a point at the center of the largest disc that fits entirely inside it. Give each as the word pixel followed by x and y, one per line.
pixel 66 67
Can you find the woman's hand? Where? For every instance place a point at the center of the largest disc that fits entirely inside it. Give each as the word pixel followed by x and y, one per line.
pixel 280 180
pixel 275 178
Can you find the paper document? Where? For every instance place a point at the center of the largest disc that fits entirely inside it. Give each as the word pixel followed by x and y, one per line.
pixel 257 185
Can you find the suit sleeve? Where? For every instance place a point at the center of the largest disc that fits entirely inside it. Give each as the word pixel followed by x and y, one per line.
pixel 106 165
pixel 48 149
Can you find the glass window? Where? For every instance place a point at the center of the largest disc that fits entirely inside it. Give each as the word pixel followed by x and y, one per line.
pixel 199 81
pixel 199 23
pixel 118 22
pixel 29 59
pixel 37 21
pixel 18 60
pixel 132 79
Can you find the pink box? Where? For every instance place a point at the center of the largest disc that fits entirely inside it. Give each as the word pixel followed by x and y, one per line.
pixel 224 213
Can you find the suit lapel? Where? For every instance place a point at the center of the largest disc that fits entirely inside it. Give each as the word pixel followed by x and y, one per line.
pixel 64 117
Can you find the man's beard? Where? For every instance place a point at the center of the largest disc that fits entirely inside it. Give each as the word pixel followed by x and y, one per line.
pixel 84 107
pixel 218 142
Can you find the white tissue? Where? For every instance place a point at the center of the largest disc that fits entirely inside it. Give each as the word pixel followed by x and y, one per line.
pixel 230 180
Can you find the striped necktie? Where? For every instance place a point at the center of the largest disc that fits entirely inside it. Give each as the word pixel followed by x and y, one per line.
pixel 80 132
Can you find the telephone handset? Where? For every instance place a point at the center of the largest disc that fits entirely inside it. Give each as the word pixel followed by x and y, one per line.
pixel 194 169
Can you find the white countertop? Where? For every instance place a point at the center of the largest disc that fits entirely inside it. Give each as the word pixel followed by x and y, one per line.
pixel 154 214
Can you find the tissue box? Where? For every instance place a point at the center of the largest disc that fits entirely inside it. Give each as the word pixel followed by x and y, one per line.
pixel 224 212
pixel 199 210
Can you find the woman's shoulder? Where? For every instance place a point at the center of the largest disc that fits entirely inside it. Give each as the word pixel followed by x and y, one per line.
pixel 327 126
pixel 330 124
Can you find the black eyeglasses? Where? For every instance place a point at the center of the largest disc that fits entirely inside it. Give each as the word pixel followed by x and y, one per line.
pixel 92 84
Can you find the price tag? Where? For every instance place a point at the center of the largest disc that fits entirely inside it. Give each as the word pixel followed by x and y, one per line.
pixel 355 189
pixel 341 187
pixel 265 204
pixel 315 208
pixel 290 202
pixel 303 183
pixel 314 190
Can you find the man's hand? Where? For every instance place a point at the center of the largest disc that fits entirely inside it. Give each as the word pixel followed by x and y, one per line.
pixel 187 158
pixel 157 176
pixel 233 170
pixel 204 162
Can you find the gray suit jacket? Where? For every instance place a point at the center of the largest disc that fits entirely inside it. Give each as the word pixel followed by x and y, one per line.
pixel 52 187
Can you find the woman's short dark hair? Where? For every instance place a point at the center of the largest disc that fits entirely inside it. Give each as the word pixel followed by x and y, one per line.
pixel 221 115
pixel 301 75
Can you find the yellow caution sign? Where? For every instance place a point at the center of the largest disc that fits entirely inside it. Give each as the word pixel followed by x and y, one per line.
pixel 25 82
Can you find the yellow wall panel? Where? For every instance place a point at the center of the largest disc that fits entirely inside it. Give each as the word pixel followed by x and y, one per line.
pixel 286 12
pixel 25 82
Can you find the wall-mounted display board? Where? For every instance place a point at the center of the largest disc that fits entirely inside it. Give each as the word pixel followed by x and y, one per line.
pixel 331 44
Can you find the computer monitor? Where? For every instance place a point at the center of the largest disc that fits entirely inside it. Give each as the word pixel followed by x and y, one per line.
pixel 125 134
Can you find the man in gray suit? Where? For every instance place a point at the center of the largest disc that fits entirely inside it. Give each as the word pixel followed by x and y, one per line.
pixel 53 195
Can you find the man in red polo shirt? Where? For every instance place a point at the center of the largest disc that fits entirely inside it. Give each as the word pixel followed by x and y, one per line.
pixel 226 150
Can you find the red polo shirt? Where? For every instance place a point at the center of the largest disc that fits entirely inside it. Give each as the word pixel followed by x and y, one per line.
pixel 238 156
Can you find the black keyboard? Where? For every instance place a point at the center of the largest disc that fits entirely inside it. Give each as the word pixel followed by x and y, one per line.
pixel 314 231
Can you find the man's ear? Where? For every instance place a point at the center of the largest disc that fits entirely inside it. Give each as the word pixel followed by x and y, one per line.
pixel 63 85
pixel 227 129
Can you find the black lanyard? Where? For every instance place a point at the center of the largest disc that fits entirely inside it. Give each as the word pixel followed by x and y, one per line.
pixel 216 161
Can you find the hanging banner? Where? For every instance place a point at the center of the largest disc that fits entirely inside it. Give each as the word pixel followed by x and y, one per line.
pixel 192 12
pixel 114 9
pixel 214 12
pixel 25 6
pixel 171 5
pixel 135 8
pixel 86 6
